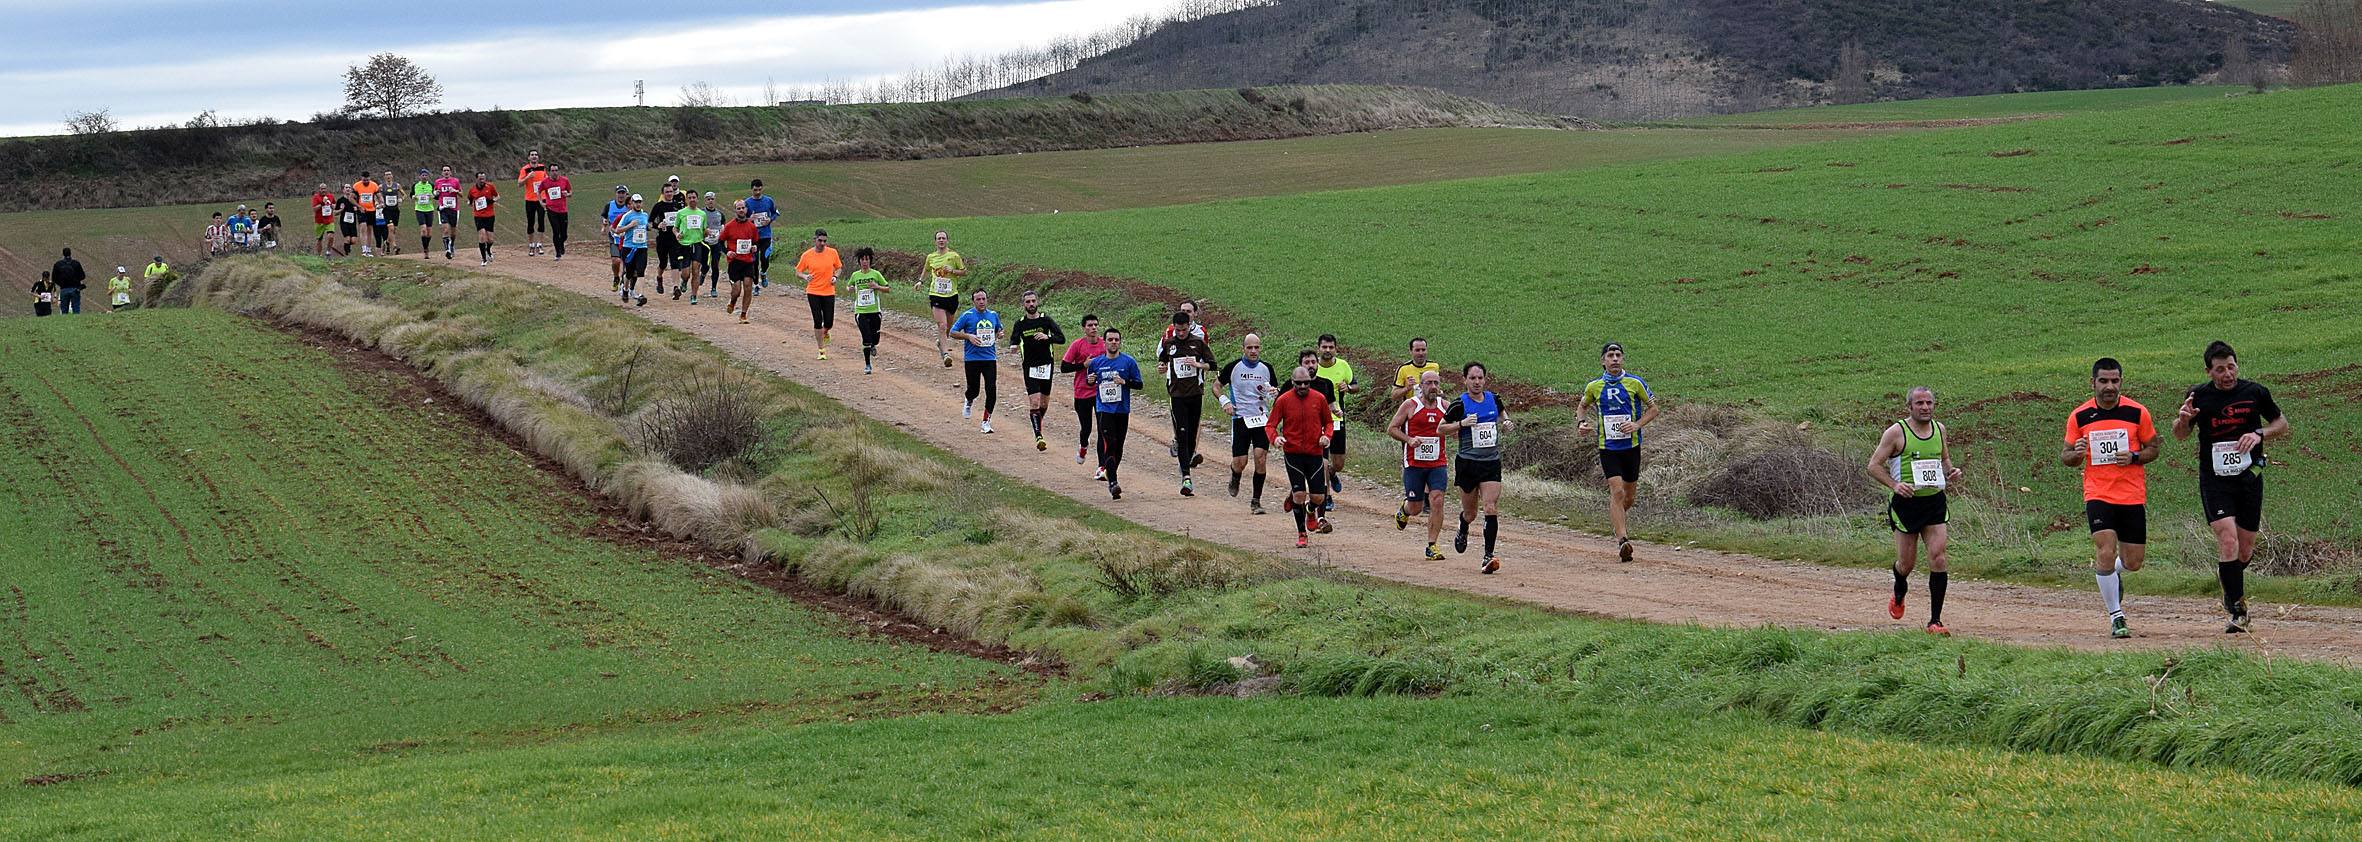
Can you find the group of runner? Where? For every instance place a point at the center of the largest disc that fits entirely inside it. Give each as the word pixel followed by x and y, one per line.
pixel 2113 438
pixel 366 213
pixel 243 230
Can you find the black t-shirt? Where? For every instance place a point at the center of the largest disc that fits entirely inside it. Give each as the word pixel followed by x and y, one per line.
pixel 269 223
pixel 1193 347
pixel 656 214
pixel 2227 414
pixel 1040 338
pixel 344 207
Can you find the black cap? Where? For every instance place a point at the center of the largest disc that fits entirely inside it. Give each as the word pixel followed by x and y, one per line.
pixel 1612 346
pixel 622 189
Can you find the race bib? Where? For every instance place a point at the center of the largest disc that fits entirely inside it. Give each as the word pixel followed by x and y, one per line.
pixel 48 297
pixel 348 217
pixel 1484 434
pixel 761 220
pixel 451 203
pixel 483 202
pixel 1111 390
pixel 945 286
pixel 2106 444
pixel 1184 368
pixel 865 298
pixel 639 236
pixel 1254 422
pixel 672 218
pixel 1426 449
pixel 985 334
pixel 122 298
pixel 1610 423
pixel 556 193
pixel 744 247
pixel 1039 372
pixel 1927 473
pixel 2227 461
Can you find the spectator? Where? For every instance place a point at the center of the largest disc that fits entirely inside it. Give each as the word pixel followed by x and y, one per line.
pixel 119 289
pixel 44 295
pixel 68 274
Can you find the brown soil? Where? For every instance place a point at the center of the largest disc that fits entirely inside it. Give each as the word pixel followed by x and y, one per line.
pixel 405 388
pixel 1543 564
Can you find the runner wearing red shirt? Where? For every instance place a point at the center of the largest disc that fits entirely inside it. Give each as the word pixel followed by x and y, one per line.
pixel 447 204
pixel 1077 360
pixel 556 191
pixel 739 237
pixel 323 218
pixel 484 199
pixel 1300 425
pixel 1418 423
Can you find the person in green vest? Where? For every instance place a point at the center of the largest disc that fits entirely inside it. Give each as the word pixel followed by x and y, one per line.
pixel 1913 463
pixel 869 287
pixel 689 257
pixel 422 209
pixel 119 289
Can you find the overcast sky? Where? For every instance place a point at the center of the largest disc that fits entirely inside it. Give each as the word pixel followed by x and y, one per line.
pixel 157 62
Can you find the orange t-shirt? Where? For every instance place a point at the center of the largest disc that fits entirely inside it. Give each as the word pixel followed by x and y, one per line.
pixel 480 197
pixel 2127 424
pixel 822 264
pixel 368 191
pixel 532 175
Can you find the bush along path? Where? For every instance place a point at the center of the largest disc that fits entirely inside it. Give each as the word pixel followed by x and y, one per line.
pixel 976 549
pixel 1542 564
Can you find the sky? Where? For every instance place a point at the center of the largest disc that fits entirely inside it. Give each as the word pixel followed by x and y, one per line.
pixel 161 62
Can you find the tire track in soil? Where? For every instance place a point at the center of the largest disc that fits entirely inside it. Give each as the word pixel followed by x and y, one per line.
pixel 1543 564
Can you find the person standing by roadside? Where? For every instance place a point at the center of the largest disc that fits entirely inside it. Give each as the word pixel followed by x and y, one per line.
pixel 67 274
pixel 119 289
pixel 44 295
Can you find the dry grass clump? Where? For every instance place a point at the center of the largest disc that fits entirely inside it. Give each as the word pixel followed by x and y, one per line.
pixel 705 422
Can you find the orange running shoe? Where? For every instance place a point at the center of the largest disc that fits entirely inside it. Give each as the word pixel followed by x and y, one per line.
pixel 1938 630
pixel 1894 608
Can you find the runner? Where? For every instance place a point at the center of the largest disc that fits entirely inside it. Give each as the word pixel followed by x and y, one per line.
pixel 1479 417
pixel 1037 337
pixel 268 226
pixel 1418 424
pixel 1196 328
pixel 2232 418
pixel 664 217
pixel 422 207
pixel 1247 387
pixel 980 327
pixel 2110 437
pixel 531 177
pixel 631 231
pixel 348 222
pixel 367 198
pixel 615 209
pixel 217 235
pixel 689 254
pixel 485 199
pixel 1077 360
pixel 323 218
pixel 241 228
pixel 1340 375
pixel 555 190
pixel 1185 358
pixel 818 266
pixel 941 281
pixel 1913 462
pixel 119 289
pixel 1406 377
pixel 761 211
pixel 1625 406
pixel 389 214
pixel 714 256
pixel 45 295
pixel 1114 375
pixel 1300 426
pixel 738 239
pixel 447 204
pixel 868 310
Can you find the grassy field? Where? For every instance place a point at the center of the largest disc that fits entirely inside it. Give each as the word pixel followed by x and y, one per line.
pixel 1995 106
pixel 1814 285
pixel 2276 8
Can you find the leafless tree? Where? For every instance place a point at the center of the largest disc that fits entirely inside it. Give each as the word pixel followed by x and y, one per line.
pixel 701 94
pixel 90 122
pixel 389 86
pixel 1851 82
pixel 204 120
pixel 2328 43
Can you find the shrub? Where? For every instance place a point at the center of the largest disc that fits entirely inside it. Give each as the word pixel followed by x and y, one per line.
pixel 1785 481
pixel 709 423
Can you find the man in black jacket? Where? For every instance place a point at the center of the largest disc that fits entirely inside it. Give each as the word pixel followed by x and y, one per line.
pixel 67 272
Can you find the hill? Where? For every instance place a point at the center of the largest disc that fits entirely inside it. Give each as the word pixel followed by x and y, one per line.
pixel 238 163
pixel 1649 59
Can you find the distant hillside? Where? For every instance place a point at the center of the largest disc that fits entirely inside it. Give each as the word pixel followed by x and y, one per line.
pixel 1630 59
pixel 175 166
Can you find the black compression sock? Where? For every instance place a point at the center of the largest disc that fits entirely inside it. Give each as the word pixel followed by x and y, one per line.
pixel 1258 486
pixel 1463 530
pixel 1492 528
pixel 1902 582
pixel 423 244
pixel 1299 514
pixel 2233 575
pixel 1935 595
pixel 1037 423
pixel 484 249
pixel 868 351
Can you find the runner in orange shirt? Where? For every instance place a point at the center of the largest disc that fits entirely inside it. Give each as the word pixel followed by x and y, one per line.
pixel 530 177
pixel 2111 437
pixel 818 267
pixel 365 194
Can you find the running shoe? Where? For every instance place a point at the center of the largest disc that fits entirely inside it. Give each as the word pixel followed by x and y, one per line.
pixel 1402 519
pixel 1172 451
pixel 865 368
pixel 1196 459
pixel 1303 540
pixel 742 320
pixel 692 301
pixel 1434 554
pixel 676 291
pixel 824 355
pixel 1100 475
pixel 1460 542
pixel 1115 490
pixel 447 253
pixel 484 262
pixel 641 301
pixel 968 410
pixel 1937 629
pixel 2117 629
pixel 1492 564
pixel 1040 443
pixel 1085 450
pixel 1233 485
pixel 2237 625
pixel 986 426
pixel 1254 507
pixel 1894 607
pixel 1336 484
pixel 1325 528
pixel 1188 487
pixel 1624 549
pixel 660 285
pixel 947 359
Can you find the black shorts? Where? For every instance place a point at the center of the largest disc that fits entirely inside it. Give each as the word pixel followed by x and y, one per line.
pixel 2131 523
pixel 483 223
pixel 1474 473
pixel 1620 464
pixel 635 263
pixel 871 324
pixel 532 215
pixel 450 215
pixel 1307 472
pixel 824 311
pixel 2240 498
pixel 1337 439
pixel 1037 387
pixel 945 303
pixel 1913 515
pixel 742 270
pixel 691 253
pixel 425 217
pixel 348 228
pixel 1243 439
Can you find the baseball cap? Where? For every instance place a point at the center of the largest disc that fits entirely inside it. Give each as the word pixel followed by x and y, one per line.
pixel 709 194
pixel 422 171
pixel 673 180
pixel 636 197
pixel 622 189
pixel 122 269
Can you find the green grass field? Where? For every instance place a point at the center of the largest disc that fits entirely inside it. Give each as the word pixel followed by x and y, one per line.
pixel 1816 284
pixel 1995 106
pixel 2277 8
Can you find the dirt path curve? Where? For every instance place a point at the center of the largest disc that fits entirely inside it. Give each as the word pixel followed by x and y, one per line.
pixel 1542 564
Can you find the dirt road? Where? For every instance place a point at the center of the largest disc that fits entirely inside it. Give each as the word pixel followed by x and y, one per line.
pixel 1542 564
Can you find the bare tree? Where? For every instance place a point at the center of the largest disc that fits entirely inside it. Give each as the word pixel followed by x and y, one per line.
pixel 2328 43
pixel 389 86
pixel 1851 82
pixel 702 94
pixel 90 122
pixel 204 120
pixel 770 91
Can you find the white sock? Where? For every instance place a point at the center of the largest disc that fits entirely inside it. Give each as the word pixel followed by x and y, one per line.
pixel 2112 590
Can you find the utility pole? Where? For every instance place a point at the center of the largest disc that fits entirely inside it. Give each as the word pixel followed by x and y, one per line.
pixel 639 92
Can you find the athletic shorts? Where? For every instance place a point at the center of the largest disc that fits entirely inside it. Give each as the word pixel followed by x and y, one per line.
pixel 1307 472
pixel 1037 387
pixel 1417 483
pixel 1337 439
pixel 871 324
pixel 824 311
pixel 635 262
pixel 321 229
pixel 483 223
pixel 1243 439
pixel 742 270
pixel 1620 464
pixel 450 215
pixel 381 222
pixel 2240 498
pixel 425 217
pixel 691 253
pixel 2131 523
pixel 348 229
pixel 945 303
pixel 1913 515
pixel 1474 473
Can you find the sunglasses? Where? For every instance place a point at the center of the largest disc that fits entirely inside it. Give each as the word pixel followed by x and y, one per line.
pixel 1303 382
